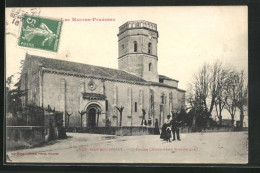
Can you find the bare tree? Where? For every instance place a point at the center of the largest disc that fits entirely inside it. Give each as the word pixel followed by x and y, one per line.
pixel 221 77
pixel 242 92
pixel 202 86
pixel 207 90
pixel 81 113
pixel 236 95
pixel 120 109
pixel 231 95
pixel 217 86
pixel 68 115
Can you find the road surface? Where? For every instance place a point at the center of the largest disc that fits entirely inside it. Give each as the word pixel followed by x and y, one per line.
pixel 215 147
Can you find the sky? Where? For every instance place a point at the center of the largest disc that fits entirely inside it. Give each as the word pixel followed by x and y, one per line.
pixel 188 37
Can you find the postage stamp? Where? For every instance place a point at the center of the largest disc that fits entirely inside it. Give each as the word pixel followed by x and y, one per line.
pixel 40 33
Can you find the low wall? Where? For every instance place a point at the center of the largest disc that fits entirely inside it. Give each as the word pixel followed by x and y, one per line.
pixel 125 130
pixel 24 136
pixel 135 131
pixel 207 129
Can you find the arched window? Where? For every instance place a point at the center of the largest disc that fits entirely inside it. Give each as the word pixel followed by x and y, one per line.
pixel 162 98
pixel 150 67
pixel 135 46
pixel 149 48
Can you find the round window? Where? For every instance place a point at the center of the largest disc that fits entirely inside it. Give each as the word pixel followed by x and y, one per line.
pixel 91 85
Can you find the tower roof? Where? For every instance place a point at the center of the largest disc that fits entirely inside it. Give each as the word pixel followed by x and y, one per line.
pixel 138 24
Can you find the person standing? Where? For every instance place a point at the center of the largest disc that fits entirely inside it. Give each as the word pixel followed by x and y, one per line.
pixel 164 127
pixel 156 129
pixel 175 127
pixel 149 121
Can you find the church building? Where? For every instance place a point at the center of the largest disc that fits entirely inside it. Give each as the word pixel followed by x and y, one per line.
pixel 136 85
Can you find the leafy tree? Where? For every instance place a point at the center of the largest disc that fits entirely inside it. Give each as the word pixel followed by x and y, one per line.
pixel 13 97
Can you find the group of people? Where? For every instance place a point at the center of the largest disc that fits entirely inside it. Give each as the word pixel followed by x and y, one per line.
pixel 169 128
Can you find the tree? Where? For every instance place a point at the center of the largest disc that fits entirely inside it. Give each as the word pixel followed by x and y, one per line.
pixel 230 95
pixel 202 87
pixel 81 113
pixel 120 110
pixel 207 91
pixel 14 94
pixel 242 92
pixel 197 111
pixel 236 95
pixel 221 74
pixel 68 115
pixel 13 97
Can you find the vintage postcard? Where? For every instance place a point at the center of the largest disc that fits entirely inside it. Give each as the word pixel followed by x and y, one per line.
pixel 127 85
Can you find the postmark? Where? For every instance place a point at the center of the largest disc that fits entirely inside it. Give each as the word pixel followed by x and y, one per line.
pixel 17 14
pixel 40 33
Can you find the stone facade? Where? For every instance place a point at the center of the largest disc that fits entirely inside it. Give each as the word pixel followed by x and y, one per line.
pixel 72 87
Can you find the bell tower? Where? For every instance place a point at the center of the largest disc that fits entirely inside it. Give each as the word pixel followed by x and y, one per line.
pixel 137 49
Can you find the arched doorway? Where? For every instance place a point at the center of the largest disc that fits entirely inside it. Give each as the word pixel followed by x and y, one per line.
pixel 91 120
pixel 92 115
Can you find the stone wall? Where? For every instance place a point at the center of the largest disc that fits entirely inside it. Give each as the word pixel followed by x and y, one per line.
pixel 24 136
pixel 65 94
pixel 30 80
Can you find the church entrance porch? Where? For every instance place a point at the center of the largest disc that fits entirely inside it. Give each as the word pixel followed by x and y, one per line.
pixel 93 112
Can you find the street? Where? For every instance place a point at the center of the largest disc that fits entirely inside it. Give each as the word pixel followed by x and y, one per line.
pixel 215 147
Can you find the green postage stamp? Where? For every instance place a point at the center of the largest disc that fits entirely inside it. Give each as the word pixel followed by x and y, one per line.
pixel 40 33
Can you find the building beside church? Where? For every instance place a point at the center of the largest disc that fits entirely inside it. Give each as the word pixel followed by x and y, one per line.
pixel 136 85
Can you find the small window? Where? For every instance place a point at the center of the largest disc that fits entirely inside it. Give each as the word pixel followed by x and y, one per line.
pixel 123 46
pixel 135 106
pixel 160 80
pixel 149 48
pixel 135 46
pixel 150 67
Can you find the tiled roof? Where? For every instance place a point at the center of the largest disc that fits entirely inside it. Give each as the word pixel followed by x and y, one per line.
pixel 89 70
pixel 167 78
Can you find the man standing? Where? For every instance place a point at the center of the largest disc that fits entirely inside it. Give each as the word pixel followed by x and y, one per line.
pixel 175 127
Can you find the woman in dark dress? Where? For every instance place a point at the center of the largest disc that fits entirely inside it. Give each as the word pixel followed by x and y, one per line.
pixel 164 127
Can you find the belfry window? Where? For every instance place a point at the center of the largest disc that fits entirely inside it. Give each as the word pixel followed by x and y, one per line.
pixel 150 48
pixel 135 46
pixel 150 66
